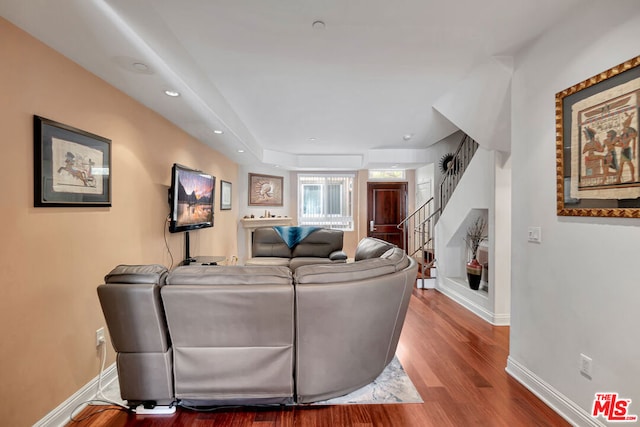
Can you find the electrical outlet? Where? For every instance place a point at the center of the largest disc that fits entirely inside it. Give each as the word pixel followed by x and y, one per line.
pixel 586 365
pixel 99 337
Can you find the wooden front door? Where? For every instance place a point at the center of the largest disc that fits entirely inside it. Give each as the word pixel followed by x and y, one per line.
pixel 387 207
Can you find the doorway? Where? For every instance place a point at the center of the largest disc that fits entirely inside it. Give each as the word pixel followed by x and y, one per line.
pixel 386 208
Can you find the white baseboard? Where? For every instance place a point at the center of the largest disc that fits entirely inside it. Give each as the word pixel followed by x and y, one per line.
pixel 426 283
pixel 61 415
pixel 566 408
pixel 472 306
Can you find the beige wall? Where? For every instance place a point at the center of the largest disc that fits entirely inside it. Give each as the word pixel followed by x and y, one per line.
pixel 52 259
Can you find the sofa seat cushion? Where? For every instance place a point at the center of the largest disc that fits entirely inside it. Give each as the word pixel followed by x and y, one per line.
pixel 269 260
pixel 230 275
pixel 344 272
pixel 370 247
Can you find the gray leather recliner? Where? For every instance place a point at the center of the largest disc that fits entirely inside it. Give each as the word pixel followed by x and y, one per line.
pixel 349 318
pixel 132 307
pixel 233 334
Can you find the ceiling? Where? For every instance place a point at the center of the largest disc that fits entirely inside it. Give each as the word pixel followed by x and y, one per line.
pixel 284 92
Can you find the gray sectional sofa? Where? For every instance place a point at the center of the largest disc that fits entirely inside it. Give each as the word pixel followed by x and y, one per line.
pixel 228 335
pixel 322 246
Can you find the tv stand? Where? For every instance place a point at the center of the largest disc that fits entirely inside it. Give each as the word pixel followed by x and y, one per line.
pixel 203 260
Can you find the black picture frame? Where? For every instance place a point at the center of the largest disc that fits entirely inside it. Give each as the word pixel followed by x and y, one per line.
pixel 225 195
pixel 72 167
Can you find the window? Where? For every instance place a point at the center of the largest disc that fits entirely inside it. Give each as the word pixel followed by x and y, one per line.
pixel 387 174
pixel 326 201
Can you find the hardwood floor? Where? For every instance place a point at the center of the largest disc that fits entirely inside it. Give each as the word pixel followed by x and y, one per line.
pixel 456 361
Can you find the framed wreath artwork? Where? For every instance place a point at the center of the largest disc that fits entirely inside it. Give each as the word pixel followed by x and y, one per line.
pixel 597 152
pixel 265 190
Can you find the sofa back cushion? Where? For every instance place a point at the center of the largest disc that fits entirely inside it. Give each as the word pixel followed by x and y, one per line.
pixel 230 275
pixel 130 301
pixel 337 273
pixel 267 242
pixel 370 247
pixel 321 243
pixel 398 257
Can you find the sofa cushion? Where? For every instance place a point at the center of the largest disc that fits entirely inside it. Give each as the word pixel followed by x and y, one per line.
pixel 137 274
pixel 300 261
pixel 398 256
pixel 229 275
pixel 370 247
pixel 320 243
pixel 339 272
pixel 292 235
pixel 267 242
pixel 269 260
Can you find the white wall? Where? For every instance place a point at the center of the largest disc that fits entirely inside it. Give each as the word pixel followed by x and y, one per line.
pixel 241 191
pixel 578 291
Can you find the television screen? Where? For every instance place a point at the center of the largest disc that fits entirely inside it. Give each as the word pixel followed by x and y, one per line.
pixel 191 198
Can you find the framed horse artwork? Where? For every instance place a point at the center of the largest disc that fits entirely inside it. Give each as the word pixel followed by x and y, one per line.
pixel 72 167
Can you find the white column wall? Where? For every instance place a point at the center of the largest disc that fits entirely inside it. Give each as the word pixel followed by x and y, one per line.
pixel 578 290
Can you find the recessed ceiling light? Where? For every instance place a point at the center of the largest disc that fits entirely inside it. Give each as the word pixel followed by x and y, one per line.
pixel 218 132
pixel 394 166
pixel 172 93
pixel 318 25
pixel 407 136
pixel 240 151
pixel 140 66
pixel 313 139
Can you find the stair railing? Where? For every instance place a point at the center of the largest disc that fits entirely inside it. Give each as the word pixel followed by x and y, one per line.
pixel 418 234
pixel 455 169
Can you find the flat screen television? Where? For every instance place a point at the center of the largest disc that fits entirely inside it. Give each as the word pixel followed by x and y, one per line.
pixel 191 197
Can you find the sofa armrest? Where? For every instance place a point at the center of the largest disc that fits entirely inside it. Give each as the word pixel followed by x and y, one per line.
pixel 337 256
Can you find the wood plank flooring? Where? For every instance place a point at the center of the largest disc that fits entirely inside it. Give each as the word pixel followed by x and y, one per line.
pixel 456 361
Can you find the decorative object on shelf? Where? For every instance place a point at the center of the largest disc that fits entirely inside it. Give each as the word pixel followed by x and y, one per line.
pixel 71 167
pixel 476 233
pixel 597 162
pixel 265 190
pixel 449 164
pixel 225 196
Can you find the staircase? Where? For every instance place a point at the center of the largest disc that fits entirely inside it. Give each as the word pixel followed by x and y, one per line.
pixel 455 169
pixel 419 225
pixel 418 239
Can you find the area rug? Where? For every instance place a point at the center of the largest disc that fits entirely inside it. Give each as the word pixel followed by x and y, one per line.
pixel 392 386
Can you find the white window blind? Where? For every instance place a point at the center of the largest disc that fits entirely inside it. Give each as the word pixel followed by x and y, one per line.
pixel 326 200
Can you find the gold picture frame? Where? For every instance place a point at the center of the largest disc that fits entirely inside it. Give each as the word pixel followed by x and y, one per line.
pixel 597 147
pixel 265 190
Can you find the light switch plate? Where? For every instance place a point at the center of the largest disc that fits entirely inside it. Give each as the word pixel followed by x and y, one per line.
pixel 535 234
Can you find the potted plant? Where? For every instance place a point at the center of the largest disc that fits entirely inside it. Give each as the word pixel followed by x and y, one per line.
pixel 476 233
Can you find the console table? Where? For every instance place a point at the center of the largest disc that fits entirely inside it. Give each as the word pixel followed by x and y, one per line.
pixel 203 260
pixel 250 224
